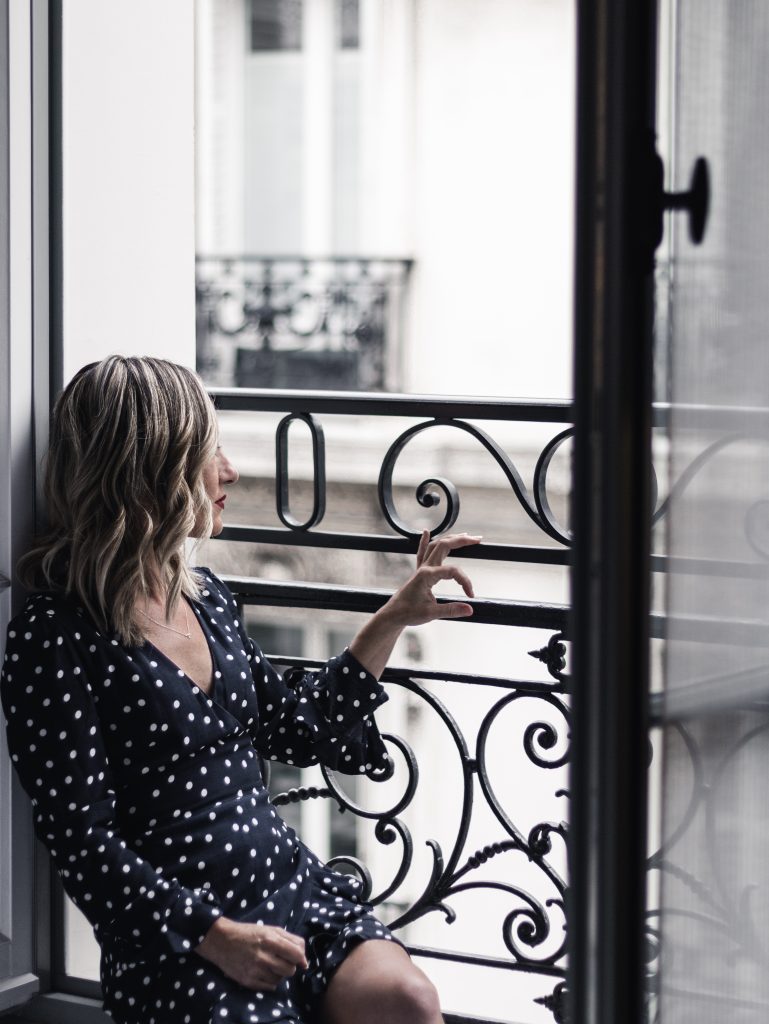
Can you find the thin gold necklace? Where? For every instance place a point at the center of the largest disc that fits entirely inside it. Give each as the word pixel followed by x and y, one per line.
pixel 171 629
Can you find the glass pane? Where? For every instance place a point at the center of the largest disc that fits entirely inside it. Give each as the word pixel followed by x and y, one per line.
pixel 348 24
pixel 276 24
pixel 398 193
pixel 711 874
pixel 81 951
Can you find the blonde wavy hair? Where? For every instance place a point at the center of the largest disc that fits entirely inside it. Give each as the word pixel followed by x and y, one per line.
pixel 130 439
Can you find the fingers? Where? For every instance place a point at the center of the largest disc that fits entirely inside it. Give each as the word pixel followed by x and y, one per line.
pixel 297 940
pixel 436 551
pixel 257 956
pixel 454 610
pixel 433 573
pixel 424 541
pixel 289 949
pixel 278 956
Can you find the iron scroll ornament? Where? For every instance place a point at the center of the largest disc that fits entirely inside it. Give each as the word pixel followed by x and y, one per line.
pixel 537 505
pixel 318 477
pixel 532 913
pixel 710 894
pixel 529 924
pixel 538 509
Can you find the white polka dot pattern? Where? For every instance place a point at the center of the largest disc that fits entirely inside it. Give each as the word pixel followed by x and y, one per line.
pixel 148 794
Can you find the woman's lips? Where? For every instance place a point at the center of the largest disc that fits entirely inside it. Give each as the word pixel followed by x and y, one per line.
pixel 220 502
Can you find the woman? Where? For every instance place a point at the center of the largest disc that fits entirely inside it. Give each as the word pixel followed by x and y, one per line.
pixel 136 709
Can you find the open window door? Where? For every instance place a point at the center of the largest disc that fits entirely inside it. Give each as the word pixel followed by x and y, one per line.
pixel 670 884
pixel 710 940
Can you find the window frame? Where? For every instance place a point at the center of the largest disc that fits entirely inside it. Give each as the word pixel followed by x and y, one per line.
pixel 25 249
pixel 601 625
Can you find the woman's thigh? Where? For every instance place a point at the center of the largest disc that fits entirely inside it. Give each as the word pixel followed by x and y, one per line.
pixel 378 983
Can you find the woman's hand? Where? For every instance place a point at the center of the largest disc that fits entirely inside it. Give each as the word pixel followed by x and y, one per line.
pixel 414 603
pixel 258 956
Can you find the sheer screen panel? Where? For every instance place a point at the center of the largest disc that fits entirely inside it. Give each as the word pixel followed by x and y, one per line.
pixel 713 867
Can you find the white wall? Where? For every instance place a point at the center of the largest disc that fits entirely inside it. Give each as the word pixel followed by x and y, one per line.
pixel 493 201
pixel 128 202
pixel 220 51
pixel 462 115
pixel 128 180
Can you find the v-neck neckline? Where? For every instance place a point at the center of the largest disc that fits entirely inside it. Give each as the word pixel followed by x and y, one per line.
pixel 215 670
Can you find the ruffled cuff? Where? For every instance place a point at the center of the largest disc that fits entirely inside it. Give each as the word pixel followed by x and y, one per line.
pixel 188 920
pixel 353 695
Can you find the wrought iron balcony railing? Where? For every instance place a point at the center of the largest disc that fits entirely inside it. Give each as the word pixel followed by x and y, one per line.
pixel 520 860
pixel 510 844
pixel 285 322
pixel 529 715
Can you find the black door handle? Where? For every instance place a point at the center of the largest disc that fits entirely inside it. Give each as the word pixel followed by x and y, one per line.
pixel 696 201
pixel 651 213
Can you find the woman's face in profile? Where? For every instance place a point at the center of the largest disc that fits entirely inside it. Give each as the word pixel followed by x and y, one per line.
pixel 217 475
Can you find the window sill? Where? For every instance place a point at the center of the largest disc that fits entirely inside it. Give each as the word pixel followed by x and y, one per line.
pixel 15 990
pixel 59 1008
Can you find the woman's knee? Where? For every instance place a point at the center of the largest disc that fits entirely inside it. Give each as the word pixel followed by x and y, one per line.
pixel 379 984
pixel 412 997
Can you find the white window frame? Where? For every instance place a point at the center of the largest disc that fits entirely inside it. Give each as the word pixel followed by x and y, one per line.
pixel 24 403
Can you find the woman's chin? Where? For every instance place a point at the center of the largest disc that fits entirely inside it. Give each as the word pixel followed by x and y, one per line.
pixel 198 533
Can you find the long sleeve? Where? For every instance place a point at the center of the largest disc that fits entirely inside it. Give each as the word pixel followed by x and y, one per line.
pixel 324 716
pixel 57 748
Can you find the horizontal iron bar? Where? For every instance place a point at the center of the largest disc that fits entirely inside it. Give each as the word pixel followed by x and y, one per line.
pixel 490 612
pixel 550 970
pixel 710 996
pixel 488 552
pixel 722 568
pixel 353 599
pixel 747 690
pixel 733 419
pixel 404 674
pixel 711 630
pixel 364 403
pixel 396 545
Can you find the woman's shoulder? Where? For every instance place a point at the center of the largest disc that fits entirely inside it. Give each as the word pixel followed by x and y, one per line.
pixel 213 589
pixel 217 598
pixel 45 610
pixel 49 614
pixel 49 632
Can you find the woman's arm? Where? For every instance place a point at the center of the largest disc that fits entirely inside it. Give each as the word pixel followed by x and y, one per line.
pixel 55 742
pixel 414 603
pixel 327 715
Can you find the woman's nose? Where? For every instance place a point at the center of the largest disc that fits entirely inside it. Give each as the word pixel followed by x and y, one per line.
pixel 227 472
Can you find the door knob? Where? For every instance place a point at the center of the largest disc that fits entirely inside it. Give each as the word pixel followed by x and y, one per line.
pixel 696 201
pixel 651 213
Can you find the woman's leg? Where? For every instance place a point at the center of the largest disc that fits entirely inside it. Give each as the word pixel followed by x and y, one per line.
pixel 379 984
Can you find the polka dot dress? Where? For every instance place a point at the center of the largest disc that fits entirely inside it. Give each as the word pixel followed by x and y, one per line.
pixel 149 796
